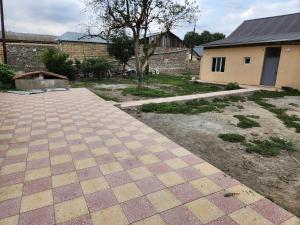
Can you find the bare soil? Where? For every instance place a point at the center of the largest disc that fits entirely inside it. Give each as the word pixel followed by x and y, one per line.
pixel 277 178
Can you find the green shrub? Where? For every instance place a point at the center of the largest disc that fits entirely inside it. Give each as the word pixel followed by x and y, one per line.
pixel 271 147
pixel 95 67
pixel 245 122
pixel 232 86
pixel 58 62
pixel 232 137
pixel 6 75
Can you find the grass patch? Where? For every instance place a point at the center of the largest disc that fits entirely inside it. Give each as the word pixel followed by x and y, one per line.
pixel 253 116
pixel 182 84
pixel 108 98
pixel 293 104
pixel 144 92
pixel 290 121
pixel 271 147
pixel 245 122
pixel 232 137
pixel 232 86
pixel 193 106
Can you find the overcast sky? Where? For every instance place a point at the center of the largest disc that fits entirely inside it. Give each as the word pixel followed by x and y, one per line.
pixel 58 16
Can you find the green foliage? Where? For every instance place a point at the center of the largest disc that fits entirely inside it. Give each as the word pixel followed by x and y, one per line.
pixel 189 107
pixel 245 122
pixel 192 39
pixel 182 84
pixel 122 47
pixel 232 137
pixel 144 92
pixel 6 75
pixel 95 67
pixel 108 98
pixel 288 120
pixel 271 147
pixel 232 86
pixel 58 62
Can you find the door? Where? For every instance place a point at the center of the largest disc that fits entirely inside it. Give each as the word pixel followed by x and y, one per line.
pixel 270 68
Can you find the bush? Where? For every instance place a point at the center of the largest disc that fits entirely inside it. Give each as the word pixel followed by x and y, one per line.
pixel 232 137
pixel 58 62
pixel 6 75
pixel 97 68
pixel 232 86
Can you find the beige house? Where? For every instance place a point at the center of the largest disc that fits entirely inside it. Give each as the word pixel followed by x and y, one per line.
pixel 262 51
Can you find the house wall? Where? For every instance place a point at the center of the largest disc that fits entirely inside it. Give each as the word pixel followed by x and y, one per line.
pixel 289 67
pixel 84 50
pixel 236 71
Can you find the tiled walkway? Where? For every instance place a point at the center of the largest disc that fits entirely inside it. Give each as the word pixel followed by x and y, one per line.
pixel 71 158
pixel 190 97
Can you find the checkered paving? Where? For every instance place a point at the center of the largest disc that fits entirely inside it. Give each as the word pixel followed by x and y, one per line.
pixel 72 158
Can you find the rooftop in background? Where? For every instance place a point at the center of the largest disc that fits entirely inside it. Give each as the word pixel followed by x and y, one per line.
pixel 80 37
pixel 27 37
pixel 199 50
pixel 276 29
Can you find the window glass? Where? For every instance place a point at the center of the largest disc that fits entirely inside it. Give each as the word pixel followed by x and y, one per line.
pixel 247 60
pixel 218 64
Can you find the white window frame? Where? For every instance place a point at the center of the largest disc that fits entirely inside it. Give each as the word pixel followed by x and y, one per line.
pixel 218 64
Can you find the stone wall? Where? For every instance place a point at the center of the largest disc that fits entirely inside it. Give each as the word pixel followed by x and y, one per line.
pixel 172 61
pixel 26 56
pixel 81 51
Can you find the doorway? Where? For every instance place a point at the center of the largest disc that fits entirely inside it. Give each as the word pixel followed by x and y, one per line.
pixel 271 62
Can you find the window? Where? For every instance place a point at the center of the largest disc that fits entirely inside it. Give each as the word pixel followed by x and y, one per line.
pixel 218 64
pixel 247 60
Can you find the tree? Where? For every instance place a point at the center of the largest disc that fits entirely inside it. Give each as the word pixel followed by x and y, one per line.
pixel 191 39
pixel 121 47
pixel 138 16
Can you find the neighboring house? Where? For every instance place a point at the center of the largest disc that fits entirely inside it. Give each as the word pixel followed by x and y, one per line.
pixel 171 55
pixel 262 51
pixel 80 45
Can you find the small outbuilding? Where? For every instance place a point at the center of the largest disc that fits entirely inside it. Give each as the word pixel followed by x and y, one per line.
pixel 40 80
pixel 262 51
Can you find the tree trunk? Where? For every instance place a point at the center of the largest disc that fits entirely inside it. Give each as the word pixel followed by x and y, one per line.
pixel 138 67
pixel 123 70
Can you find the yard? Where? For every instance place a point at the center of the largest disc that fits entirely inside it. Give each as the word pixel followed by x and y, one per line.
pixel 254 139
pixel 125 89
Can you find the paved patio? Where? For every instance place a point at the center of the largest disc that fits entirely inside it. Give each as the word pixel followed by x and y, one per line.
pixel 72 158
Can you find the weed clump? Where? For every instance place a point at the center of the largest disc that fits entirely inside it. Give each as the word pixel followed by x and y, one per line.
pixel 245 122
pixel 232 137
pixel 270 147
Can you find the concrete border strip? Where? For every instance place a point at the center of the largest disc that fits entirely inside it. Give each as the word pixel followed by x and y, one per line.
pixel 189 97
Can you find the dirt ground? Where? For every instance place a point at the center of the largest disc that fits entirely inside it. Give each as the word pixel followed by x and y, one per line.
pixel 277 178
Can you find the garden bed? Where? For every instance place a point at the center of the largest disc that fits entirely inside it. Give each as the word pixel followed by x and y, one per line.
pixel 155 86
pixel 251 142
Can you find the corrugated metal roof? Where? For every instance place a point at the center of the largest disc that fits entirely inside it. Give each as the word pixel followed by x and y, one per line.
pixel 199 50
pixel 15 36
pixel 80 37
pixel 265 30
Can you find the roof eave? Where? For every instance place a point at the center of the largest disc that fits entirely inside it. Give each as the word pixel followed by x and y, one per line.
pixel 238 44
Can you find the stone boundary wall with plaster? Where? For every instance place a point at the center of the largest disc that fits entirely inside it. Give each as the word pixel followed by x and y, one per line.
pixel 175 61
pixel 26 57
